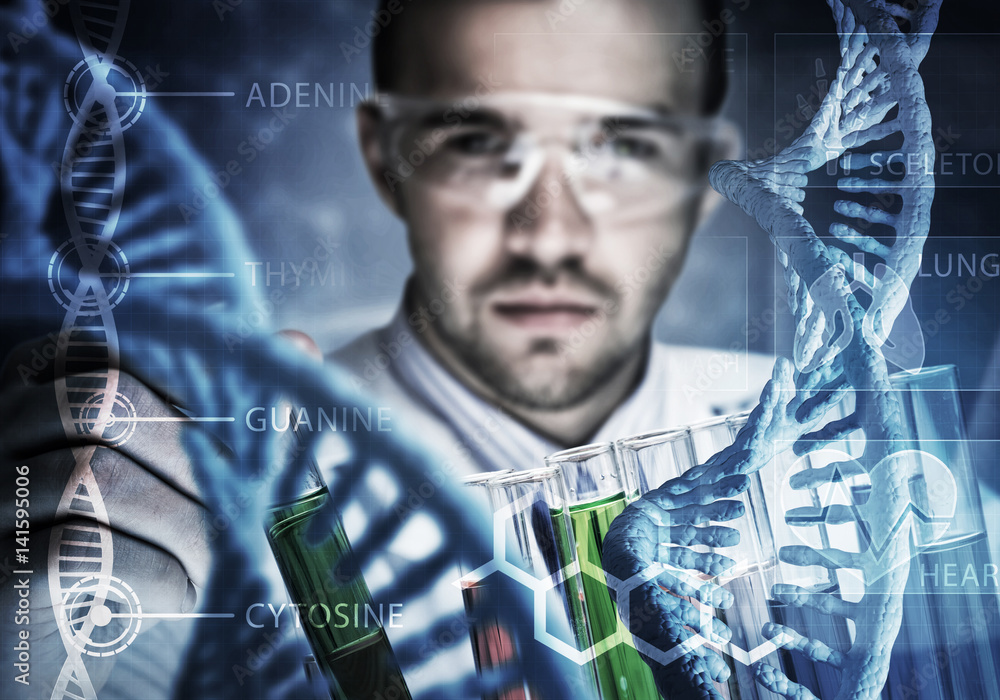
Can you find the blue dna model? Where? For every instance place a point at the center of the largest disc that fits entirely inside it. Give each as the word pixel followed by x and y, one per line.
pixel 99 259
pixel 840 349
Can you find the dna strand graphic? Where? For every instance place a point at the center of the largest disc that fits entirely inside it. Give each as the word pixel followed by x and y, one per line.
pixel 92 182
pixel 837 350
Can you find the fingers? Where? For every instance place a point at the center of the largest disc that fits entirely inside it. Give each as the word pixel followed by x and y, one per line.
pixel 692 675
pixel 775 681
pixel 699 491
pixel 809 382
pixel 719 511
pixel 872 110
pixel 809 479
pixel 718 669
pixel 789 178
pixel 813 649
pixel 791 594
pixel 100 614
pixel 157 579
pixel 147 430
pixel 303 342
pixel 872 133
pixel 829 558
pixel 862 241
pixel 138 503
pixel 684 583
pixel 148 508
pixel 684 613
pixel 854 210
pixel 670 630
pixel 870 83
pixel 711 536
pixel 706 562
pixel 816 406
pixel 150 581
pixel 831 432
pixel 864 61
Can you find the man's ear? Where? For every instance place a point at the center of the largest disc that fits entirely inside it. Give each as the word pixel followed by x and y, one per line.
pixel 728 145
pixel 370 138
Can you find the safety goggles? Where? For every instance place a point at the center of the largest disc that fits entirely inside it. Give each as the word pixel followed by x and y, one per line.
pixel 618 160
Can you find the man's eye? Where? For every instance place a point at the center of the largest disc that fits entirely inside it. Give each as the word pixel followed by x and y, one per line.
pixel 634 147
pixel 478 143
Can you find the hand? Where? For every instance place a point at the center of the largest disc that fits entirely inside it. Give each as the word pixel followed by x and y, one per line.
pixel 144 523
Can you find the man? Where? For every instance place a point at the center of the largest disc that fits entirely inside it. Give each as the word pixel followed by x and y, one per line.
pixel 550 179
pixel 547 221
pixel 525 327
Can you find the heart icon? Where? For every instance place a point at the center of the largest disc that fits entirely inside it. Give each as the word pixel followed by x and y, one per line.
pixel 909 494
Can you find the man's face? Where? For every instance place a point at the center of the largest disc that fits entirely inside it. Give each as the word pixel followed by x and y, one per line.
pixel 538 284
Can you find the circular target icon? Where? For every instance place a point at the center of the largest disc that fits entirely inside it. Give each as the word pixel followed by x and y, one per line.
pixel 100 615
pixel 108 89
pixel 118 427
pixel 73 284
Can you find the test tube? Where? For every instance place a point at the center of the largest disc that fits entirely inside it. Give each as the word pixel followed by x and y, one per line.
pixel 532 507
pixel 756 548
pixel 596 495
pixel 492 643
pixel 651 459
pixel 322 575
pixel 674 452
pixel 773 482
pixel 948 640
pixel 935 426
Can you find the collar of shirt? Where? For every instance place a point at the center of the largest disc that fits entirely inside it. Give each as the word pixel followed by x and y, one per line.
pixel 497 440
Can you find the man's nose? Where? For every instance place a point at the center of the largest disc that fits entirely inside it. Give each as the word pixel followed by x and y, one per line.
pixel 548 225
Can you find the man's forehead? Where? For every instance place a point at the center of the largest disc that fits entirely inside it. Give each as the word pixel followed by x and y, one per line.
pixel 622 50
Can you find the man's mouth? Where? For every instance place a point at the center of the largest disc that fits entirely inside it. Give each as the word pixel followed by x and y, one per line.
pixel 544 314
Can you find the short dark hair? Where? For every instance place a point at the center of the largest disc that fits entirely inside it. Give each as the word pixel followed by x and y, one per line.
pixel 385 46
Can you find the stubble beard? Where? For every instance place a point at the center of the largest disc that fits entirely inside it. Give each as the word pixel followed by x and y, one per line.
pixel 549 376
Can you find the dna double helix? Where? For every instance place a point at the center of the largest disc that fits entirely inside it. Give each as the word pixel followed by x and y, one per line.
pixel 88 275
pixel 184 330
pixel 877 96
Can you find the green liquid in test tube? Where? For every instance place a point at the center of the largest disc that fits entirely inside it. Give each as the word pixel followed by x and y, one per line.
pixel 335 606
pixel 596 497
